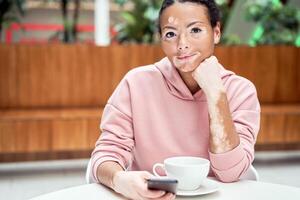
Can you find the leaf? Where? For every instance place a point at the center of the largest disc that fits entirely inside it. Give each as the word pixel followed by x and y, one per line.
pixel 139 23
pixel 151 14
pixel 121 2
pixel 128 17
pixel 280 22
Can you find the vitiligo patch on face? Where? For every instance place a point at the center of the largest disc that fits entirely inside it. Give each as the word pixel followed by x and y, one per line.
pixel 186 65
pixel 173 20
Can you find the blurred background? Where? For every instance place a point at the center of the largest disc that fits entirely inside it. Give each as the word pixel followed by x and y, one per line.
pixel 60 60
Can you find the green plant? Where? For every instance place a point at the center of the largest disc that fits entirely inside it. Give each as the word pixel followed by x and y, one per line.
pixel 10 10
pixel 232 39
pixel 69 34
pixel 224 7
pixel 70 31
pixel 279 24
pixel 138 24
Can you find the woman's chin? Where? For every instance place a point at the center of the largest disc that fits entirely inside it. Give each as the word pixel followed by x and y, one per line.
pixel 187 66
pixel 186 69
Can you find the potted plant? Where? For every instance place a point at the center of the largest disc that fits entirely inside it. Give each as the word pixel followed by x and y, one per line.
pixel 279 24
pixel 138 25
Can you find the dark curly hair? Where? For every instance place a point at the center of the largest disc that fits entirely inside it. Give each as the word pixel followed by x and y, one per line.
pixel 213 11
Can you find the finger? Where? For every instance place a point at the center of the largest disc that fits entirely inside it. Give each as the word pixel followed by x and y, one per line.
pixel 212 57
pixel 167 196
pixel 152 193
pixel 145 192
pixel 147 175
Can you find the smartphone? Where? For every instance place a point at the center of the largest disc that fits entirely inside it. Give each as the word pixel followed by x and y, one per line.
pixel 165 184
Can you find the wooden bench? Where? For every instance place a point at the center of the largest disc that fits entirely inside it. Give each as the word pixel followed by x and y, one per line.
pixel 280 127
pixel 48 133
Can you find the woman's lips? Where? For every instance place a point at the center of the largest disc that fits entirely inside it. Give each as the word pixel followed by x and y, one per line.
pixel 183 57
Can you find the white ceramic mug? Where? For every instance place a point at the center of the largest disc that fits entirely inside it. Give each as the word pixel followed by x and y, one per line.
pixel 189 171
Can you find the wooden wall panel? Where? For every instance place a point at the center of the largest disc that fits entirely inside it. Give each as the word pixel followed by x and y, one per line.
pixel 39 131
pixel 292 128
pixel 60 76
pixel 39 135
pixel 280 124
pixel 7 137
pixel 25 136
pixel 52 96
pixel 69 135
pixel 48 135
pixel 43 76
pixel 73 130
pixel 273 69
pixel 288 82
pixel 271 129
pixel 93 132
pixel 8 83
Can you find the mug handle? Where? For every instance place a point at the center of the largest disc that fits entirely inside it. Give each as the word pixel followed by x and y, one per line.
pixel 155 166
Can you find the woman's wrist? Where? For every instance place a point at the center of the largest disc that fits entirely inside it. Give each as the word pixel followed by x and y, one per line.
pixel 107 171
pixel 115 179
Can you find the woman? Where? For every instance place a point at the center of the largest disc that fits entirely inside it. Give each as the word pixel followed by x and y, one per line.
pixel 185 104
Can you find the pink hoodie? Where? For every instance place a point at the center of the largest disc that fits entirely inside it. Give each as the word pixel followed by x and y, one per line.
pixel 152 115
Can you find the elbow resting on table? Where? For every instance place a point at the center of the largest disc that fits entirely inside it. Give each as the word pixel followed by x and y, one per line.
pixel 227 177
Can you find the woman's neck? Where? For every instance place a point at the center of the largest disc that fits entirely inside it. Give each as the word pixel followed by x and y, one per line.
pixel 189 81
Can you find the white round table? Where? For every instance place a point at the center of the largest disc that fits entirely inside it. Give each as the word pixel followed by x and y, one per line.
pixel 244 189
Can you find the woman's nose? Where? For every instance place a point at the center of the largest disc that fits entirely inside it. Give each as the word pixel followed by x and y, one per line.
pixel 183 43
pixel 183 47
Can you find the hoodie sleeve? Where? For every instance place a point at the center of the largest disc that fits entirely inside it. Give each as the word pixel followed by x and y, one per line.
pixel 116 141
pixel 245 110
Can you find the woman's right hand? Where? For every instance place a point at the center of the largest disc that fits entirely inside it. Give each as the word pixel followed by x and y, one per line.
pixel 133 185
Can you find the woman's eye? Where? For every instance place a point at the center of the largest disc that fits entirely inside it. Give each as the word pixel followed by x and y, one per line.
pixel 196 30
pixel 170 34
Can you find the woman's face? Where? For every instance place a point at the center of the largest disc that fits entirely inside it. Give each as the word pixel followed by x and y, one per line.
pixel 187 36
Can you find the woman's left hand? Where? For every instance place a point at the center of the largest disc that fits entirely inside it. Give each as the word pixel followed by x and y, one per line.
pixel 207 74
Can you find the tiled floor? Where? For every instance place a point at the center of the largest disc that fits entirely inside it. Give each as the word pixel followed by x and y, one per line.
pixel 20 181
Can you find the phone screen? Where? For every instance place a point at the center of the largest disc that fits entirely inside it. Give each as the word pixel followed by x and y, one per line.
pixel 165 184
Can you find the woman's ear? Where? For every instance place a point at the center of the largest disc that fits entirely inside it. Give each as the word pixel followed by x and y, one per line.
pixel 217 33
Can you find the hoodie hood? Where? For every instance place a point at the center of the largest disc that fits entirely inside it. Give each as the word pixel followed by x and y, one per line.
pixel 176 85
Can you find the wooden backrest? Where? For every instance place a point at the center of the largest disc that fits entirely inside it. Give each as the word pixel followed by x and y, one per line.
pixel 65 75
pixel 275 70
pixel 82 75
